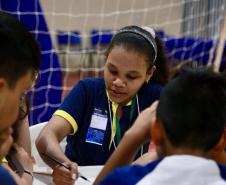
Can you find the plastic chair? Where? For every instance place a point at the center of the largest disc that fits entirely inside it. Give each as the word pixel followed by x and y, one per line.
pixel 34 132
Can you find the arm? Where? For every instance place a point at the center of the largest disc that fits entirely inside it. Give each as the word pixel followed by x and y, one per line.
pixel 6 141
pixel 146 158
pixel 25 161
pixel 130 143
pixel 23 135
pixel 59 127
pixel 151 155
pixel 48 142
pixel 18 180
pixel 22 145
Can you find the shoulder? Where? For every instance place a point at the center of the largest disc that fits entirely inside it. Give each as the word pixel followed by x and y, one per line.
pixel 153 87
pixel 93 85
pixel 149 93
pixel 92 81
pixel 88 85
pixel 5 177
pixel 222 171
pixel 129 174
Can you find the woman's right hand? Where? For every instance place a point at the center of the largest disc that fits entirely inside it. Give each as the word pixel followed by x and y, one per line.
pixel 63 176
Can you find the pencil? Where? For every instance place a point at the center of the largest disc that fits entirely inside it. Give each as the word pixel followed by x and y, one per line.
pixel 51 158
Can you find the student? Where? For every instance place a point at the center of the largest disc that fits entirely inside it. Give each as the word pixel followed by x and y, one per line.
pixel 189 124
pixel 22 126
pixel 97 112
pixel 19 64
pixel 218 154
pixel 21 133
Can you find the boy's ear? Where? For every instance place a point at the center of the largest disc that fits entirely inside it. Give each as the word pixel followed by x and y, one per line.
pixel 3 87
pixel 225 137
pixel 157 132
pixel 221 145
pixel 3 84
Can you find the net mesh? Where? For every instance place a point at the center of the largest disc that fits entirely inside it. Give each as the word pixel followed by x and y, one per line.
pixel 73 36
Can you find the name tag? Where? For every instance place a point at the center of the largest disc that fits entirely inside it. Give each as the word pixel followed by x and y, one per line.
pixel 99 121
pixel 96 130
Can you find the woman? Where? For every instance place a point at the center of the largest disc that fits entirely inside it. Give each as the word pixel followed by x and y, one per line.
pixel 97 112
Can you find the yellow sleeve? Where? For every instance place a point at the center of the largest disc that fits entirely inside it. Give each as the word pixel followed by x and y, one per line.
pixel 69 118
pixel 4 161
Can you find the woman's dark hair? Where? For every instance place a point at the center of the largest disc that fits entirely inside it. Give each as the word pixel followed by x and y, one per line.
pixel 141 41
pixel 161 75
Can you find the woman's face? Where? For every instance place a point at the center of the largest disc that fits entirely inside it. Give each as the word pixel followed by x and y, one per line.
pixel 124 73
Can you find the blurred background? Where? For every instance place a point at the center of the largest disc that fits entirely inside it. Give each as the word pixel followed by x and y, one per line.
pixel 74 34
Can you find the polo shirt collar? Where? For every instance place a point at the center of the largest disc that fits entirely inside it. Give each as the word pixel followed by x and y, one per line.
pixel 114 103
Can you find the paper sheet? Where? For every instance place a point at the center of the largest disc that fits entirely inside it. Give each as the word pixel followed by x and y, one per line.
pixel 43 176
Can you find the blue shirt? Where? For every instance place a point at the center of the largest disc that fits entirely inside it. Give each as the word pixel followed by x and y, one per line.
pixel 5 177
pixel 87 109
pixel 130 175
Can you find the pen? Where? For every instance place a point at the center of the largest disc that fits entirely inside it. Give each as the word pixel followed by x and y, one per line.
pixel 62 164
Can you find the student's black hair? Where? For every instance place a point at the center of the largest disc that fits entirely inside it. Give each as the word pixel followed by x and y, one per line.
pixel 19 52
pixel 192 108
pixel 141 41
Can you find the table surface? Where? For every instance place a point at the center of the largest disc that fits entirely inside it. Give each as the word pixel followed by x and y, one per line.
pixel 88 171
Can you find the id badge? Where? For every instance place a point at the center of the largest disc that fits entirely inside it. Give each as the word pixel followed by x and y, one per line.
pixel 96 130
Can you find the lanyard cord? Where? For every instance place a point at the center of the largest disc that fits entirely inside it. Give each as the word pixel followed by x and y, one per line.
pixel 138 109
pixel 115 119
pixel 118 129
pixel 112 126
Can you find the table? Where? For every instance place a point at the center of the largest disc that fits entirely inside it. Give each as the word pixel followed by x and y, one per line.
pixel 88 171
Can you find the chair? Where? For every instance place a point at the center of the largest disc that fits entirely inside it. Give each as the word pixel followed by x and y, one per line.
pixel 101 37
pixel 34 132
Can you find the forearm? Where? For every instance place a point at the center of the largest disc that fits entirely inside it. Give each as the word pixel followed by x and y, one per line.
pixel 124 154
pixel 23 139
pixel 126 150
pixel 47 143
pixel 131 142
pixel 146 158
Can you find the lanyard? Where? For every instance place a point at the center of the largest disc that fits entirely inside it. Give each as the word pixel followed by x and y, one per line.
pixel 116 131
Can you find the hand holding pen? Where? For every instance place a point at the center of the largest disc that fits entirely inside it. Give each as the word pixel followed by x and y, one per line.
pixel 54 160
